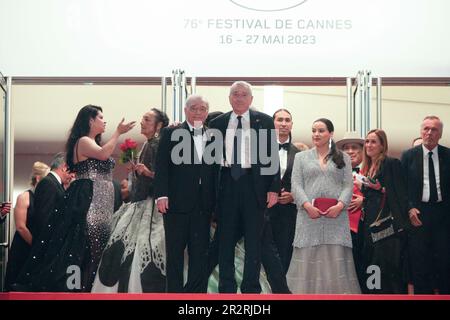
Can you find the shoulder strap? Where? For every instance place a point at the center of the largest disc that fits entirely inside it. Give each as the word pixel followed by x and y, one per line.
pixel 382 203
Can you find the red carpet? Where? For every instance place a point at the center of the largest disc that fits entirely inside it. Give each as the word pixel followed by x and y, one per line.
pixel 179 296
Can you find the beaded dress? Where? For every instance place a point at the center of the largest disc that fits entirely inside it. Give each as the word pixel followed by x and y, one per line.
pixel 134 257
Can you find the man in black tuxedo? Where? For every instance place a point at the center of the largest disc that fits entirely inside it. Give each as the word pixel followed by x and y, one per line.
pixel 184 188
pixel 249 182
pixel 283 215
pixel 49 191
pixel 427 173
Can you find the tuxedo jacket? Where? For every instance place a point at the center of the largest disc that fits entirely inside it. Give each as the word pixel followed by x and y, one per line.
pixel 286 183
pixel 262 183
pixel 185 184
pixel 46 196
pixel 412 164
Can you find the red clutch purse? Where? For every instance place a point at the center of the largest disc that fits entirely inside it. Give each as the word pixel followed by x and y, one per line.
pixel 324 203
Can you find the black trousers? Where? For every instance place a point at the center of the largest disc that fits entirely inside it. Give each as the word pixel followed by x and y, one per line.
pixel 237 205
pixel 429 250
pixel 269 257
pixel 189 230
pixel 282 219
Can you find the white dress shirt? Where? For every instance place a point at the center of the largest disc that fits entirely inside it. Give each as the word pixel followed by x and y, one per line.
pixel 245 141
pixel 199 141
pixel 283 158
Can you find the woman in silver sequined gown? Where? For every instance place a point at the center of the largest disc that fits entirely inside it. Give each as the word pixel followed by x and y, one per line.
pixel 322 260
pixel 67 253
pixel 134 257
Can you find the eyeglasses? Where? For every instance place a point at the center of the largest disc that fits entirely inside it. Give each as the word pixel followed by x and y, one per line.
pixel 198 110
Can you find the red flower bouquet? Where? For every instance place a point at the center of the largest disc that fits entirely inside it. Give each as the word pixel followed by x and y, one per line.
pixel 129 152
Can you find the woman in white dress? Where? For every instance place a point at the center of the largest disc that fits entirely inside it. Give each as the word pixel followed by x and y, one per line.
pixel 322 260
pixel 134 258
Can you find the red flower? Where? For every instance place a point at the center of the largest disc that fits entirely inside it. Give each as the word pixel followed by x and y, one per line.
pixel 128 148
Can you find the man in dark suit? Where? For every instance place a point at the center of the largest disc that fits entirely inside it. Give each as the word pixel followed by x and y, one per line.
pixel 249 182
pixel 184 188
pixel 49 192
pixel 427 173
pixel 283 215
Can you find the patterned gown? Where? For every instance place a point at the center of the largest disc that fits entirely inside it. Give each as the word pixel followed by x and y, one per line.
pixel 322 261
pixel 134 258
pixel 66 254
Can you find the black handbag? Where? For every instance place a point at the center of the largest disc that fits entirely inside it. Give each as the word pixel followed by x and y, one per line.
pixel 383 228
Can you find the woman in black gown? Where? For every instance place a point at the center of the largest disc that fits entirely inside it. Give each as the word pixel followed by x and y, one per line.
pixel 67 253
pixel 384 194
pixel 23 218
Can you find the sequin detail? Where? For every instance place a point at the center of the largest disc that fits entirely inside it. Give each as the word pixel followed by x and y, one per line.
pixel 98 218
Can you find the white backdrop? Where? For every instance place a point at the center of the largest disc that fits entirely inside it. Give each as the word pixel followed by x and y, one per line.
pixel 303 38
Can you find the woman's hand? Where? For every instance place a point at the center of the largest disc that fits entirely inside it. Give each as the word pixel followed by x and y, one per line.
pixel 334 211
pixel 312 211
pixel 125 127
pixel 375 186
pixel 356 202
pixel 285 197
pixel 5 208
pixel 141 169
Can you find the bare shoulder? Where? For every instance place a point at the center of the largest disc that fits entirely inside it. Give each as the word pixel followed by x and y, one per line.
pixel 23 199
pixel 85 141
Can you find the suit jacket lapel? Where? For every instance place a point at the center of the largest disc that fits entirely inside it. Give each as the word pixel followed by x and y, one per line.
pixel 290 158
pixel 443 162
pixel 223 128
pixel 419 168
pixel 254 121
pixel 56 182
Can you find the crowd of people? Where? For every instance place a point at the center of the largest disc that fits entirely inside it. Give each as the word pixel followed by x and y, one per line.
pixel 227 202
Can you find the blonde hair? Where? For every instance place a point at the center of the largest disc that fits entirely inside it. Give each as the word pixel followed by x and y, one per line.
pixel 40 170
pixel 370 168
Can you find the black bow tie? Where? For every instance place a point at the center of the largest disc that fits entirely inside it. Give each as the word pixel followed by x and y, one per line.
pixel 284 146
pixel 196 132
pixel 356 170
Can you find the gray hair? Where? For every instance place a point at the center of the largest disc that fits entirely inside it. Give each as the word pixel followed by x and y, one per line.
pixel 433 118
pixel 245 84
pixel 195 97
pixel 58 160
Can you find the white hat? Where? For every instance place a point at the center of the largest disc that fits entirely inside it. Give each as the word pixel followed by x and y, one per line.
pixel 350 137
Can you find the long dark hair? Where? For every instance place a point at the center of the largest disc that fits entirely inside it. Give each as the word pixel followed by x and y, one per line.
pixel 275 115
pixel 80 129
pixel 336 155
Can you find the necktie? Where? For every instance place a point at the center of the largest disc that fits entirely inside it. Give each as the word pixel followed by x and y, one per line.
pixel 432 178
pixel 236 168
pixel 284 146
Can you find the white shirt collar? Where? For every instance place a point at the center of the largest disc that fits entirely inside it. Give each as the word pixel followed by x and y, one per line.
pixel 245 115
pixel 56 176
pixel 425 150
pixel 191 128
pixel 287 141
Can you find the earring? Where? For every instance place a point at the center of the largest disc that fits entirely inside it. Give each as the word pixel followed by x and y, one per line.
pixel 330 143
